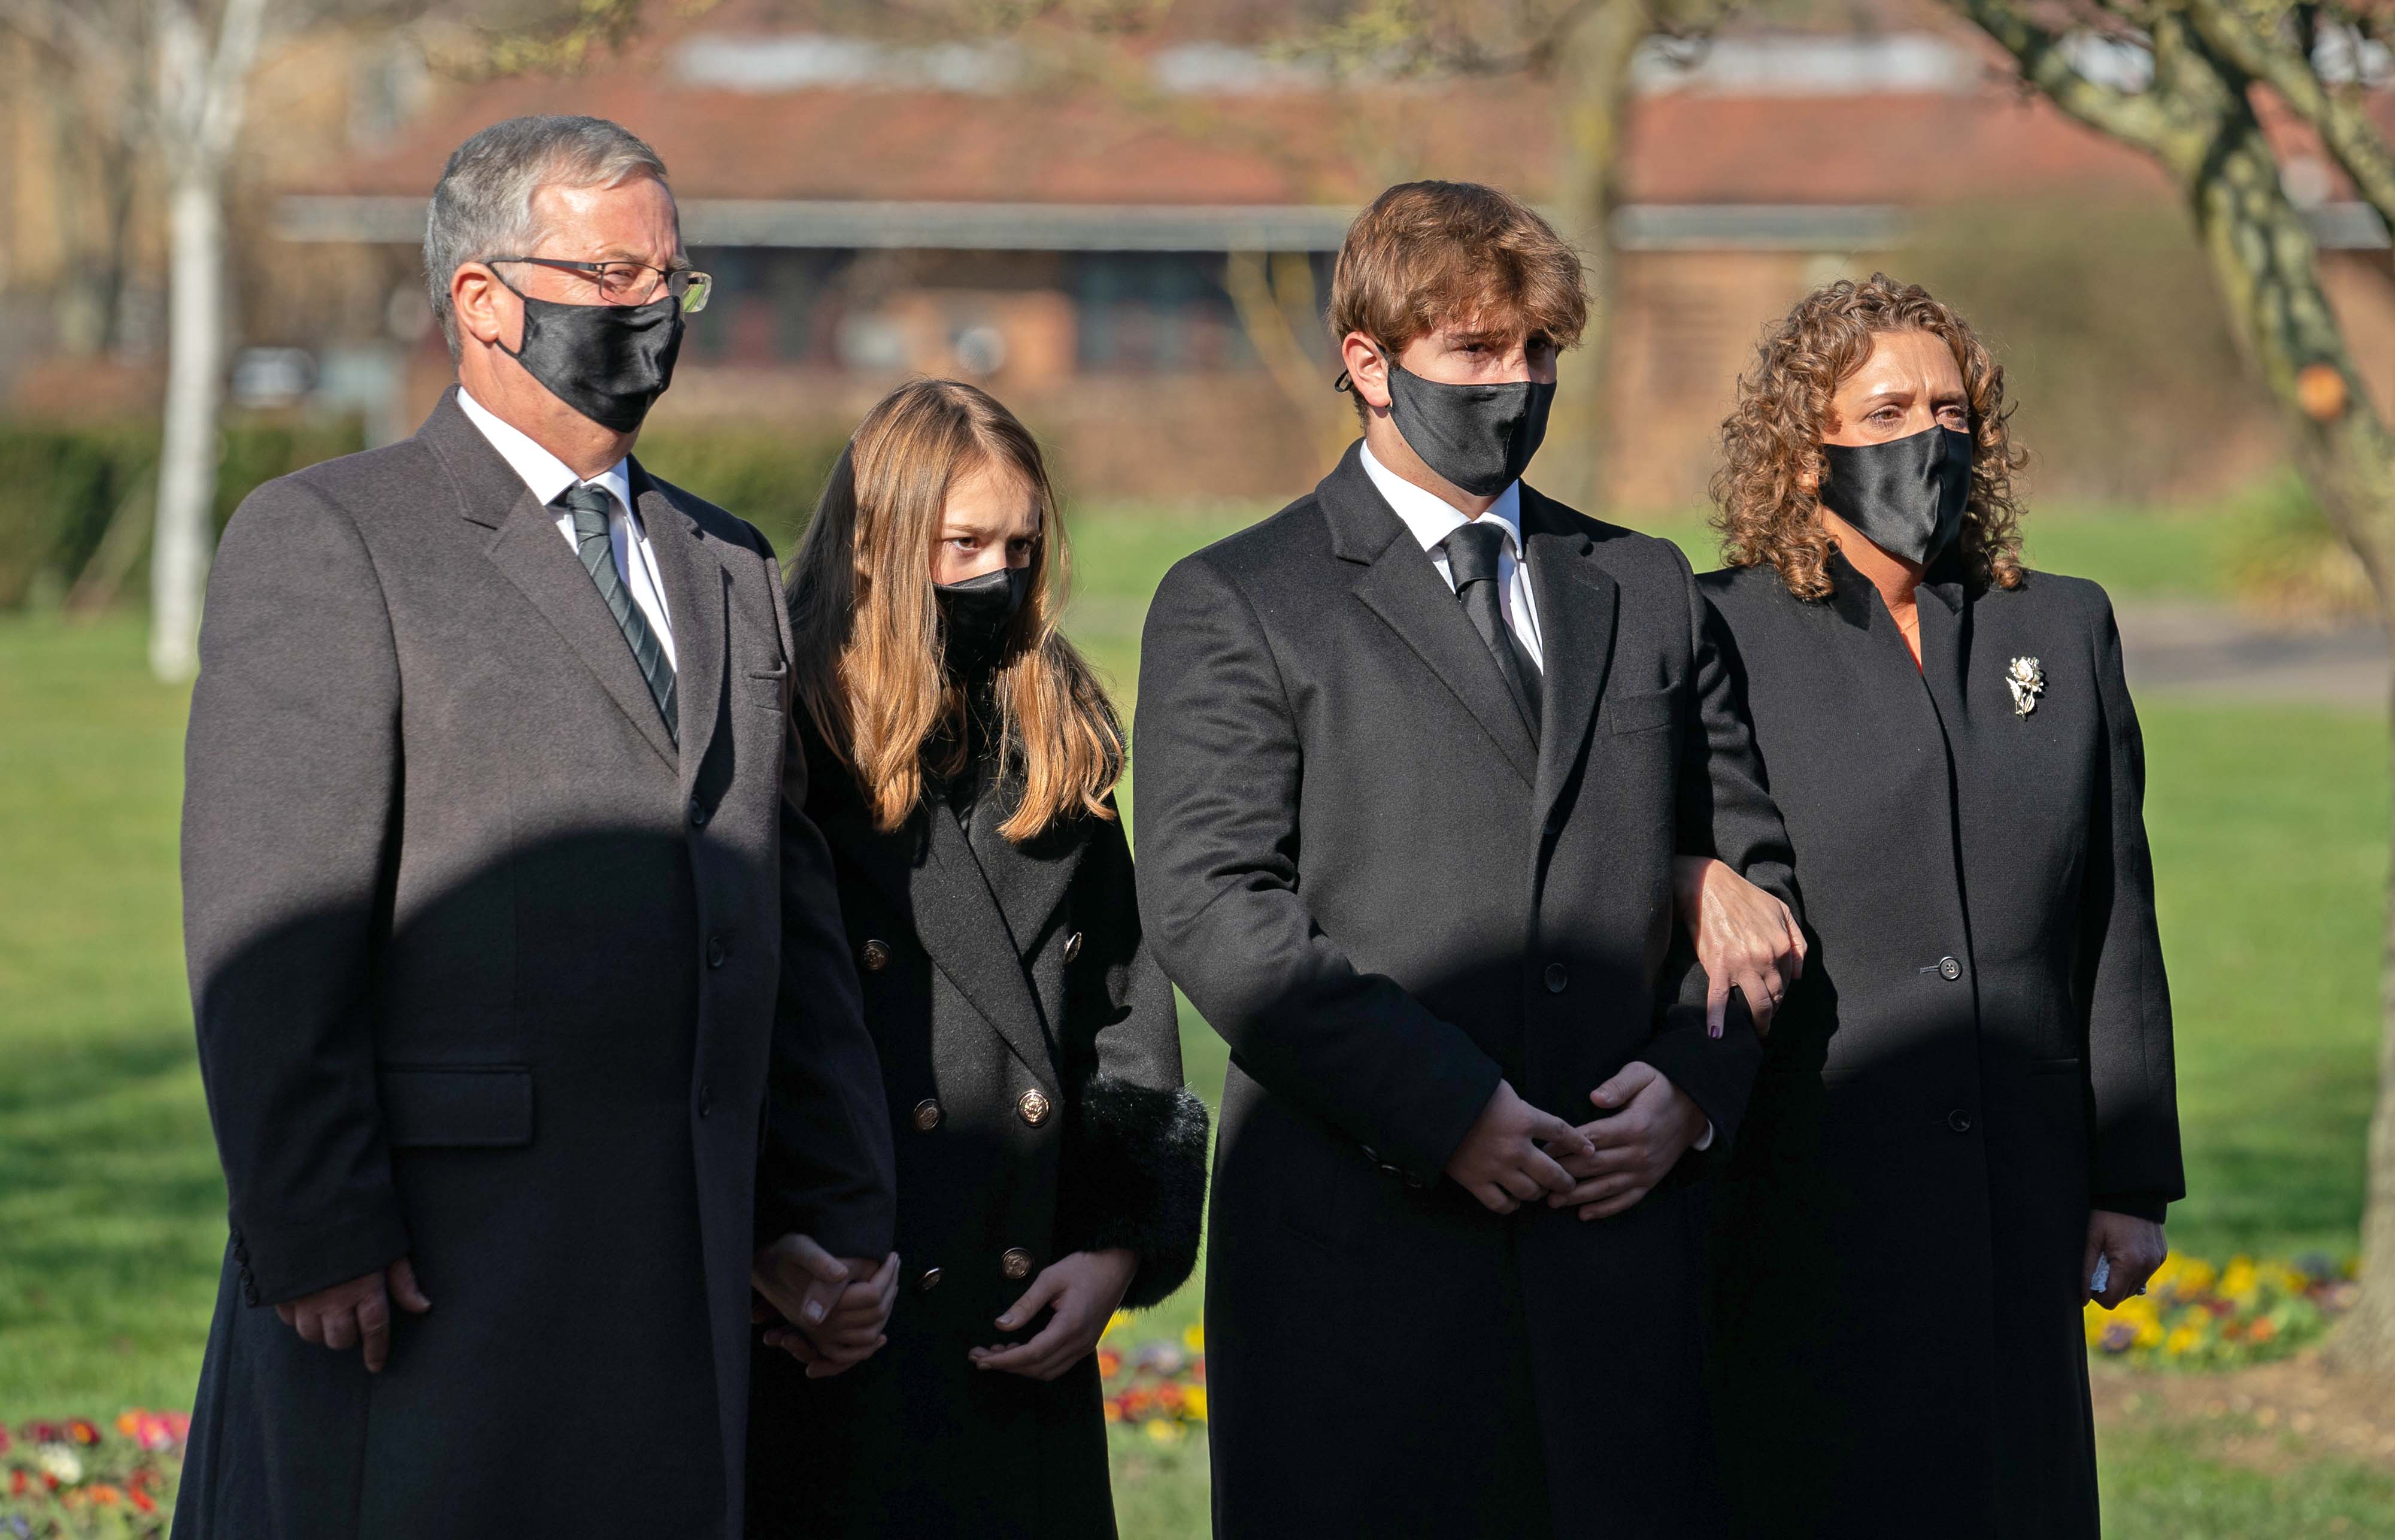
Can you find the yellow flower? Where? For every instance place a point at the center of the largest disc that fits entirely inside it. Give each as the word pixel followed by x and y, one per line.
pixel 1193 1402
pixel 2149 1334
pixel 1193 1337
pixel 1115 1322
pixel 2197 1276
pixel 2184 1339
pixel 2239 1278
pixel 2096 1319
pixel 1164 1430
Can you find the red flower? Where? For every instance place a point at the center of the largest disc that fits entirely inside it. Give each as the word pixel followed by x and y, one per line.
pixel 17 1483
pixel 84 1433
pixel 143 1501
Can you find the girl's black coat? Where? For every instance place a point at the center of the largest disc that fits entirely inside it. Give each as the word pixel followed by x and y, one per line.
pixel 1979 1050
pixel 992 971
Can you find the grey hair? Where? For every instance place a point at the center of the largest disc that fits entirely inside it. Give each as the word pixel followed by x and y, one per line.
pixel 482 205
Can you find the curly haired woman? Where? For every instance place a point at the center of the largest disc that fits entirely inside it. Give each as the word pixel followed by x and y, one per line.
pixel 1965 1124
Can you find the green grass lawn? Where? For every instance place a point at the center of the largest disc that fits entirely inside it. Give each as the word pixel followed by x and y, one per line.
pixel 2268 827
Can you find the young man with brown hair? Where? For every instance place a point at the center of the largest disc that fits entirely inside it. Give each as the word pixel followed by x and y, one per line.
pixel 1416 757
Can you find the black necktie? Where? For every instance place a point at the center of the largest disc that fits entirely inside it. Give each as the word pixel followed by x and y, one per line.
pixel 589 506
pixel 1472 554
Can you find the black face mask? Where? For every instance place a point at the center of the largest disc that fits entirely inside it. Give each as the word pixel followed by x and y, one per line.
pixel 1480 437
pixel 610 362
pixel 1906 495
pixel 976 617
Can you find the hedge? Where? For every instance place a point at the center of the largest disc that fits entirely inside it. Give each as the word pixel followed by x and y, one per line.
pixel 63 485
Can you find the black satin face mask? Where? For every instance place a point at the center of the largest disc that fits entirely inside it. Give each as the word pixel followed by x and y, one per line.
pixel 1480 437
pixel 610 362
pixel 975 615
pixel 1906 495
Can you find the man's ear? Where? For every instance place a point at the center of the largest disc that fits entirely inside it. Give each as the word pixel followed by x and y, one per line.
pixel 475 297
pixel 1367 372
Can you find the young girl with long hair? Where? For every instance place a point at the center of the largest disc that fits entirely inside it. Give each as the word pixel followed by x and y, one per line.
pixel 962 758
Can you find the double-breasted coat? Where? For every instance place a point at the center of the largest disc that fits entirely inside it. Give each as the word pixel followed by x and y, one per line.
pixel 491 973
pixel 1979 1050
pixel 1387 892
pixel 1031 1055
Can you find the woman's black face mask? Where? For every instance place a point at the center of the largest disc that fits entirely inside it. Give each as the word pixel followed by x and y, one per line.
pixel 976 617
pixel 1906 495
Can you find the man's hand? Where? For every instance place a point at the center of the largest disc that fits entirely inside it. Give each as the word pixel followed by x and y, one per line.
pixel 1499 1161
pixel 1083 1292
pixel 359 1311
pixel 1635 1148
pixel 811 1289
pixel 1746 938
pixel 2136 1247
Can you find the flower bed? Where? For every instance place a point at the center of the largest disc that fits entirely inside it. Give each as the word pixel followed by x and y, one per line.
pixel 1157 1388
pixel 80 1479
pixel 2194 1315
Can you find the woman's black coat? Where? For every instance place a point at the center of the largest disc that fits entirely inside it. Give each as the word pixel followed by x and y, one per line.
pixel 1978 1051
pixel 1032 1057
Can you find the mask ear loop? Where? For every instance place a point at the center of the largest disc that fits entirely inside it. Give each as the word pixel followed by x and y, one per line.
pixel 1346 385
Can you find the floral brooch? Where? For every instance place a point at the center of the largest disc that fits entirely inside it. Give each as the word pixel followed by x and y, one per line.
pixel 2027 682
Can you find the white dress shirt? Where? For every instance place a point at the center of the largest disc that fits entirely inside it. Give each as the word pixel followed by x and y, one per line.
pixel 549 478
pixel 1432 520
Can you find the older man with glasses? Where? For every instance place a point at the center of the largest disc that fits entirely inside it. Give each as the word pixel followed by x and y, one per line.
pixel 511 954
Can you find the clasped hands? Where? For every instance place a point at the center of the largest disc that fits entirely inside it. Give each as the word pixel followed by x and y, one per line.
pixel 1515 1153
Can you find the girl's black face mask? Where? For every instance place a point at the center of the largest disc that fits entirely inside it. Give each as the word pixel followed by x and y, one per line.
pixel 1480 437
pixel 976 617
pixel 1906 495
pixel 610 362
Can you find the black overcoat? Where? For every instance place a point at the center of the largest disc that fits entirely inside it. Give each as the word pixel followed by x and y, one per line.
pixel 1980 1048
pixel 1032 1059
pixel 1385 895
pixel 487 973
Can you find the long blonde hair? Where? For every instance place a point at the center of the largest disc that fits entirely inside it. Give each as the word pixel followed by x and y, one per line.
pixel 870 667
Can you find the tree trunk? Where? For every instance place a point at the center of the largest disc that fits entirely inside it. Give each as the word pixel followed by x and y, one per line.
pixel 187 454
pixel 1594 93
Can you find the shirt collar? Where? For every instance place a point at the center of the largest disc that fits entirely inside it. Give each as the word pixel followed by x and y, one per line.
pixel 546 475
pixel 1431 518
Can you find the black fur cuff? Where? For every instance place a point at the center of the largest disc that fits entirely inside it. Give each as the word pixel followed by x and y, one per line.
pixel 1134 1177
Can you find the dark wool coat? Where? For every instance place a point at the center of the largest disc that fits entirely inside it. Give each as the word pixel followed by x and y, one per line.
pixel 1386 896
pixel 486 974
pixel 1980 1048
pixel 1032 1059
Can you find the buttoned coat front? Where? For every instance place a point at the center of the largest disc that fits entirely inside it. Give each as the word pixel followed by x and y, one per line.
pixel 491 974
pixel 1031 1053
pixel 1387 893
pixel 1979 1050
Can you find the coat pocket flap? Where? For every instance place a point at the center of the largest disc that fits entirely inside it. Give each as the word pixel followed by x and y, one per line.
pixel 1637 712
pixel 457 1108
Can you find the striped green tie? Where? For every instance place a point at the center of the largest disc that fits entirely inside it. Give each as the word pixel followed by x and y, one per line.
pixel 589 506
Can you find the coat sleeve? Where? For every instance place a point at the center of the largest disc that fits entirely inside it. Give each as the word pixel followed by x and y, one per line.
pixel 1134 1160
pixel 2136 1166
pixel 1724 810
pixel 290 812
pixel 827 1168
pixel 1220 765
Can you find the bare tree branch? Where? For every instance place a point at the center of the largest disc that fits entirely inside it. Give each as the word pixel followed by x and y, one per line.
pixel 2349 135
pixel 2133 119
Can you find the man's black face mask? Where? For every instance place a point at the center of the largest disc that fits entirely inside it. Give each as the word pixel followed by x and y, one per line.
pixel 610 362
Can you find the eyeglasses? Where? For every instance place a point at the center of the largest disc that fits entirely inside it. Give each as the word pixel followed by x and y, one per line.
pixel 631 283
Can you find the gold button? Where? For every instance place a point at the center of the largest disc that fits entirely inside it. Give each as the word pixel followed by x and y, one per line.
pixel 1035 1107
pixel 1015 1263
pixel 875 956
pixel 930 1281
pixel 1072 946
pixel 927 1115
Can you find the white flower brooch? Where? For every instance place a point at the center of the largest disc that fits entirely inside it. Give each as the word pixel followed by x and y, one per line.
pixel 2026 681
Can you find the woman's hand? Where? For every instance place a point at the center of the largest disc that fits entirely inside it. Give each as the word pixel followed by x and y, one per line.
pixel 2136 1247
pixel 851 1326
pixel 1083 1292
pixel 1746 938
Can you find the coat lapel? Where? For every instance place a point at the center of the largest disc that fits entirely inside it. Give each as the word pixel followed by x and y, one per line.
pixel 1029 879
pixel 694 582
pixel 526 548
pixel 1577 600
pixel 1402 587
pixel 928 873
